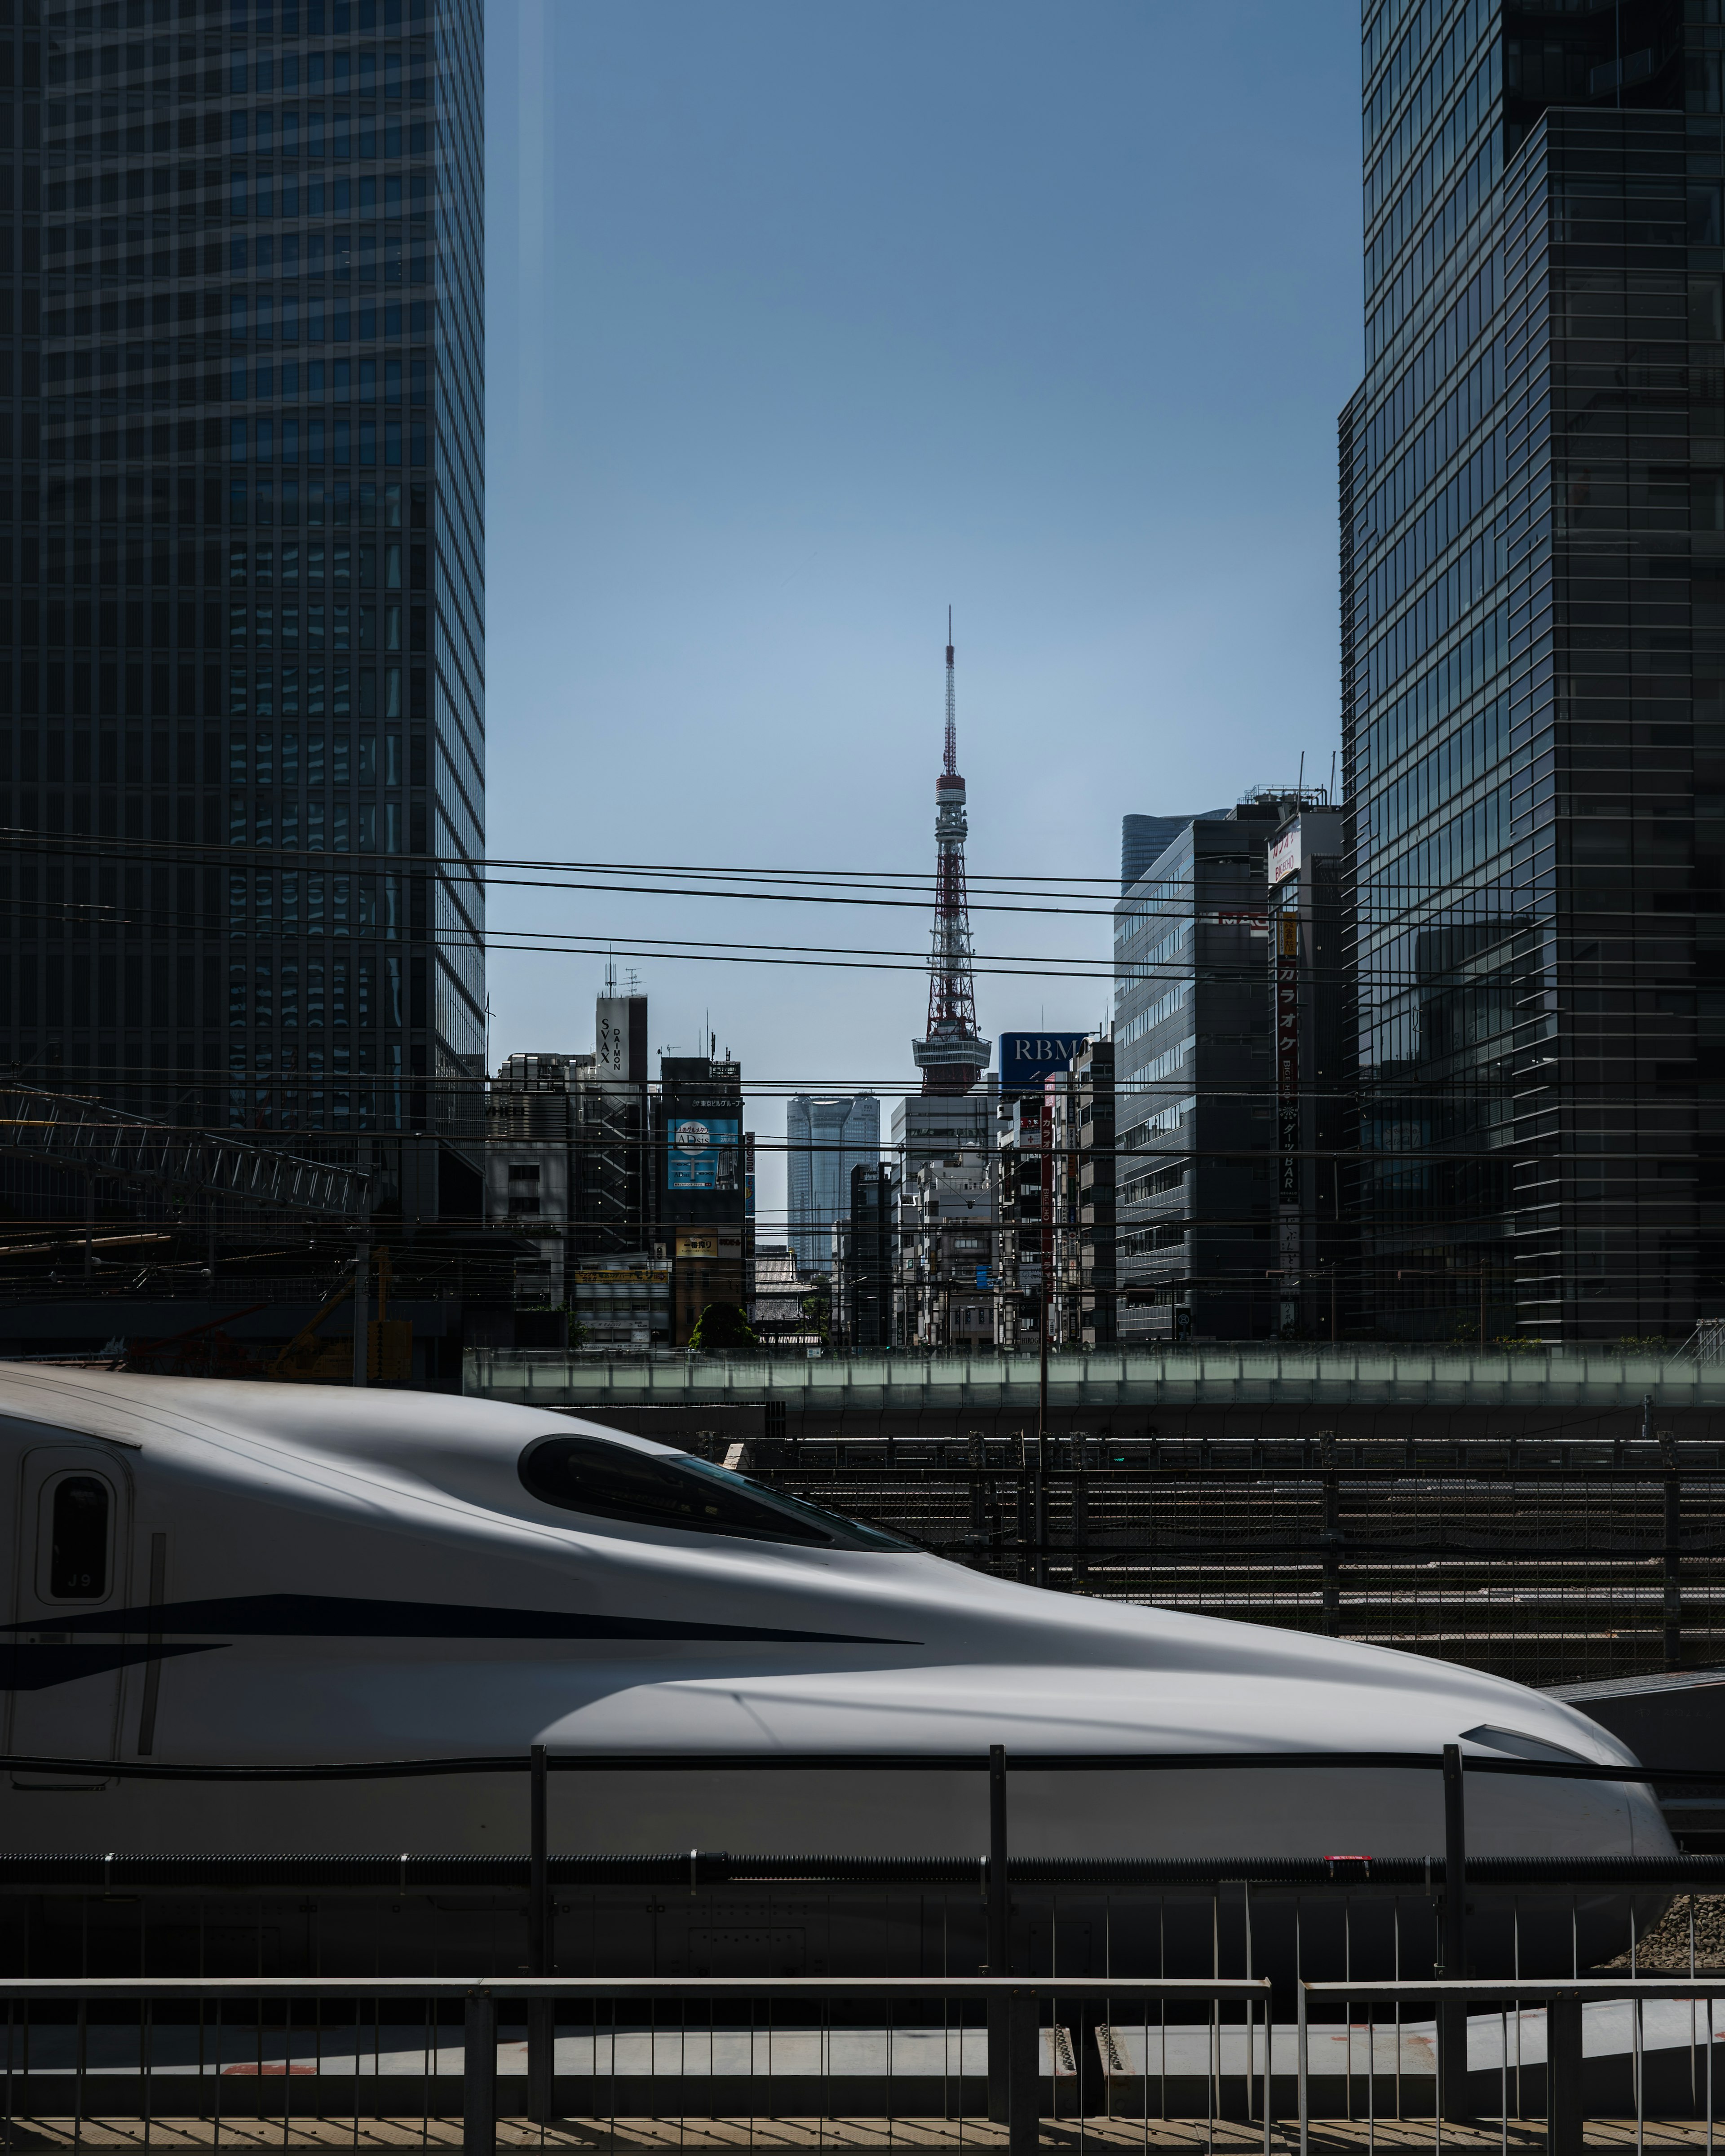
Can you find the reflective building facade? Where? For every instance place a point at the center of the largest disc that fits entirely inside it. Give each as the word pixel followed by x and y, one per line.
pixel 1192 1246
pixel 1534 655
pixel 827 1135
pixel 242 551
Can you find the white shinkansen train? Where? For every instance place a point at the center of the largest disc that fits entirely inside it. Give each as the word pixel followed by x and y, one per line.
pixel 277 1574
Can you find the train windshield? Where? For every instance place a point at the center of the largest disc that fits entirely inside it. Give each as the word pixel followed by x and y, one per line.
pixel 587 1475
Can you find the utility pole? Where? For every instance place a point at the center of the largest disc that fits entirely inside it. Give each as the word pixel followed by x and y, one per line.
pixel 362 1276
pixel 1039 1487
pixel 362 1305
pixel 1046 1240
pixel 1671 1578
pixel 1042 1299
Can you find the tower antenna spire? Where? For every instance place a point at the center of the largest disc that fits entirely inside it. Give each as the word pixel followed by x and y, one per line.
pixel 950 763
pixel 953 1057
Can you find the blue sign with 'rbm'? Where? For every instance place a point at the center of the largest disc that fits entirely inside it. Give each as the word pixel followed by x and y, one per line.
pixel 1027 1058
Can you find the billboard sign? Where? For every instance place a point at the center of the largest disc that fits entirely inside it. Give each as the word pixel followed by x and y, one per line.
pixel 1285 853
pixel 718 1246
pixel 611 1041
pixel 1027 1057
pixel 703 1153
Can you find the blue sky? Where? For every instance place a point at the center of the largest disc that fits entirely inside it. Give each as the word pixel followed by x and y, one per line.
pixel 807 319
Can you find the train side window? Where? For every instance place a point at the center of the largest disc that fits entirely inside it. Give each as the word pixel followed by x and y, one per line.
pixel 672 1490
pixel 78 1539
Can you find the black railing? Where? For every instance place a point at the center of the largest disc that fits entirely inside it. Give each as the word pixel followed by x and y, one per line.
pixel 193 2062
pixel 245 2050
pixel 1446 1880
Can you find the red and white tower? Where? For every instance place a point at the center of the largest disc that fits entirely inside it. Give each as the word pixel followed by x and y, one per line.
pixel 952 1057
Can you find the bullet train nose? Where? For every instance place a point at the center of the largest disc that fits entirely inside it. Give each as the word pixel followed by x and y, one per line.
pixel 410 1577
pixel 1109 1681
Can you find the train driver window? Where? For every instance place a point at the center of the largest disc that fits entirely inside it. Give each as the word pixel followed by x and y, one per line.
pixel 587 1475
pixel 78 1539
pixel 1521 1746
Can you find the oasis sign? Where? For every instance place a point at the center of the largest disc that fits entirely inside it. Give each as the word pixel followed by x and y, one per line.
pixel 1026 1059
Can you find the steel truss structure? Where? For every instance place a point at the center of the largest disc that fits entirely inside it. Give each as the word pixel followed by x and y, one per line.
pixel 88 1138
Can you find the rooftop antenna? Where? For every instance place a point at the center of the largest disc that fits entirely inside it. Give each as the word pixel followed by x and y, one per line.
pixel 1332 778
pixel 1300 783
pixel 949 763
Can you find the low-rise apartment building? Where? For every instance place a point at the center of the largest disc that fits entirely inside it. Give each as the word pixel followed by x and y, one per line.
pixel 948 1237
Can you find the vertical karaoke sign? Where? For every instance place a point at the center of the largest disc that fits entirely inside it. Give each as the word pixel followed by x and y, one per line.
pixel 1287 1112
pixel 1287 1055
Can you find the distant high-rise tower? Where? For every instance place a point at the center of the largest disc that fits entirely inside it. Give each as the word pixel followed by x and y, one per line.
pixel 952 1057
pixel 826 1136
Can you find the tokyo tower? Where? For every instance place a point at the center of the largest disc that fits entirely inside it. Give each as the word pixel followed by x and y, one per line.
pixel 952 1057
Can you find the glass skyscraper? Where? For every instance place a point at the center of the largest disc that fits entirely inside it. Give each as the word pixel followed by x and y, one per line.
pixel 826 1136
pixel 1194 1241
pixel 242 544
pixel 1533 666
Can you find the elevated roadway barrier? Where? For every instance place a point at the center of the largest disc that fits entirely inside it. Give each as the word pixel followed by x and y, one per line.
pixel 840 1394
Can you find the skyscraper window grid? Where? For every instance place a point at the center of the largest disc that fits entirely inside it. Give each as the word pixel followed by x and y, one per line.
pixel 1529 708
pixel 241 746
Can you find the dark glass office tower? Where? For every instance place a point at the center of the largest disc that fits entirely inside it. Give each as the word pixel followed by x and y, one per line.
pixel 1533 660
pixel 1194 1240
pixel 241 533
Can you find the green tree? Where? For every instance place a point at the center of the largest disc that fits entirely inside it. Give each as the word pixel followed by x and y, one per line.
pixel 722 1329
pixel 817 1310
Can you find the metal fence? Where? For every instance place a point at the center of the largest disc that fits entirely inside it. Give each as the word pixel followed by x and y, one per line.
pixel 754 2062
pixel 1109 1996
pixel 1565 2054
pixel 85 2060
